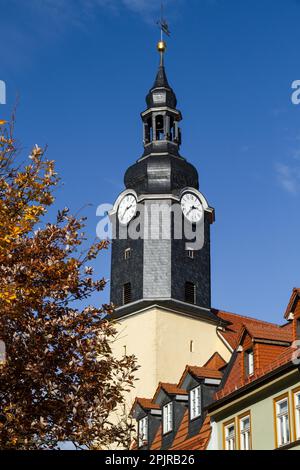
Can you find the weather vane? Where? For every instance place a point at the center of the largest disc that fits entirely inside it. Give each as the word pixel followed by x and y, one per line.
pixel 162 23
pixel 164 29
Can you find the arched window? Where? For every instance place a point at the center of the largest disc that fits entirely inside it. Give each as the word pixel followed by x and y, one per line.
pixel 160 127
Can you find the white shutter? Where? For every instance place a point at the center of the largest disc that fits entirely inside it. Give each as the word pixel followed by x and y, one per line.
pixel 251 363
pixel 168 418
pixel 195 402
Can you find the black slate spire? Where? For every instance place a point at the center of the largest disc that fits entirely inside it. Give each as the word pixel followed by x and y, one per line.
pixel 161 80
pixel 161 84
pixel 161 169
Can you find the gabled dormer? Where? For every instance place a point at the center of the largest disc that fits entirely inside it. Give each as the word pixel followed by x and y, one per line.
pixel 258 344
pixel 292 314
pixel 173 402
pixel 201 383
pixel 148 417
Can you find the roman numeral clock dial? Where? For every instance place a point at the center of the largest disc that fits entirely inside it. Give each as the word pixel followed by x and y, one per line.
pixel 191 207
pixel 127 209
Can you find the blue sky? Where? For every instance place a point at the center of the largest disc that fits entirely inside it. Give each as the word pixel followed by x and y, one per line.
pixel 81 70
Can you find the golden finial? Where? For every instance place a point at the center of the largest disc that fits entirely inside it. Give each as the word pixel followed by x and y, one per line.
pixel 162 47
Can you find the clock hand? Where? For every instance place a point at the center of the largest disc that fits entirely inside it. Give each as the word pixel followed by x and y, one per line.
pixel 127 209
pixel 191 209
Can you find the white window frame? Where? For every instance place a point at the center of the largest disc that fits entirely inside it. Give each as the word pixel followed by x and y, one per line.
pixel 245 432
pixel 195 402
pixel 230 438
pixel 191 254
pixel 143 431
pixel 168 418
pixel 283 423
pixel 250 362
pixel 127 254
pixel 297 413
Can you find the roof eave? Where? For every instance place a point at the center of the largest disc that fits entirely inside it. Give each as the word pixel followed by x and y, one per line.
pixel 240 391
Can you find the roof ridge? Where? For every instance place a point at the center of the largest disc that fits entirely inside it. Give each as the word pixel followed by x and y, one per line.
pixel 248 318
pixel 203 367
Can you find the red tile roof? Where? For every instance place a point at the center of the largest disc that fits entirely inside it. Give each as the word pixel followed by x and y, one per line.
pixel 216 362
pixel 269 332
pixel 157 441
pixel 205 373
pixel 200 373
pixel 232 332
pixel 236 381
pixel 146 404
pixel 181 441
pixel 198 442
pixel 170 389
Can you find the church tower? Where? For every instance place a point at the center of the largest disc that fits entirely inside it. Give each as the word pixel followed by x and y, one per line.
pixel 148 269
pixel 161 282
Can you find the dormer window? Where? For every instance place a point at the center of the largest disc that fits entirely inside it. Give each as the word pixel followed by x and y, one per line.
pixel 143 431
pixel 249 362
pixel 168 418
pixel 195 402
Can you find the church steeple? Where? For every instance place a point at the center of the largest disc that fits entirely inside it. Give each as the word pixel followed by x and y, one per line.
pixel 161 168
pixel 152 269
pixel 161 119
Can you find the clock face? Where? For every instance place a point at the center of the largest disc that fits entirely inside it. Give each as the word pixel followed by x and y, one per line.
pixel 127 209
pixel 191 207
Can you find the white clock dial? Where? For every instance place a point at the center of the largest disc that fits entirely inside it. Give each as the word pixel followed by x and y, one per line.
pixel 191 207
pixel 127 209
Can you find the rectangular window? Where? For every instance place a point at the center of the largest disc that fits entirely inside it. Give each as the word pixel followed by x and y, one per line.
pixel 168 418
pixel 127 293
pixel 195 403
pixel 229 431
pixel 245 432
pixel 297 413
pixel 143 431
pixel 127 253
pixel 190 293
pixel 191 254
pixel 249 362
pixel 282 421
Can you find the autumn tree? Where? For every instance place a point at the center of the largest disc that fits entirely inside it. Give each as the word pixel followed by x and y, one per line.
pixel 60 380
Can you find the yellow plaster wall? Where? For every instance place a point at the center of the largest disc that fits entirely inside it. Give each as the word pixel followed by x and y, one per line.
pixel 161 341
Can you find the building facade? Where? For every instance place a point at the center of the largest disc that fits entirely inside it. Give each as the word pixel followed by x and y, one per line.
pixel 250 403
